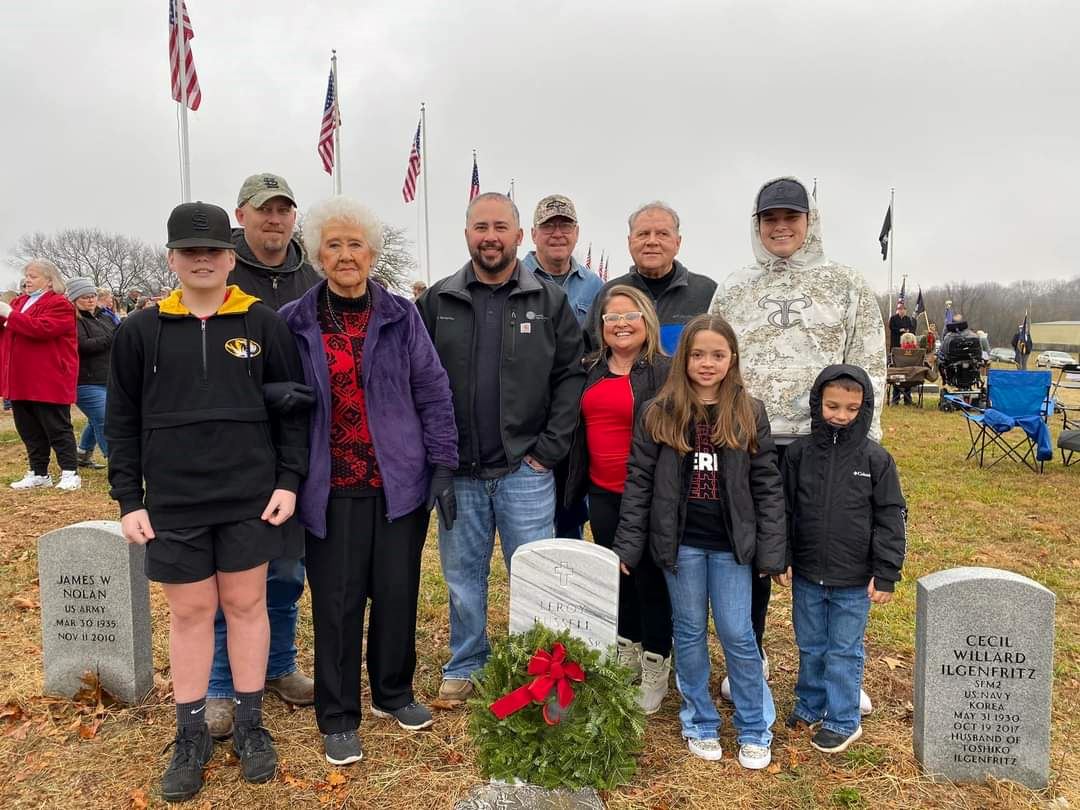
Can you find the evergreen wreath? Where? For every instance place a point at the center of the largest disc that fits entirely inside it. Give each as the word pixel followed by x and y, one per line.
pixel 594 744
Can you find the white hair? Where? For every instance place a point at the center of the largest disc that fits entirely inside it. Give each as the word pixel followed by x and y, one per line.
pixel 50 271
pixel 344 209
pixel 655 205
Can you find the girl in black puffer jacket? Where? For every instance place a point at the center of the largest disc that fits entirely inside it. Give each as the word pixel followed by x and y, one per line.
pixel 703 491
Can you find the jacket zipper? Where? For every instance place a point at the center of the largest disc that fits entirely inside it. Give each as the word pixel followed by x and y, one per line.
pixel 203 328
pixel 828 506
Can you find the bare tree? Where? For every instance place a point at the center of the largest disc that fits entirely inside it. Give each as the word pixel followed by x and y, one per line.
pixel 396 264
pixel 118 262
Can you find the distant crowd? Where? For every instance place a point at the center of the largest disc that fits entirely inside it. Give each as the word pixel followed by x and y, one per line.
pixel 282 416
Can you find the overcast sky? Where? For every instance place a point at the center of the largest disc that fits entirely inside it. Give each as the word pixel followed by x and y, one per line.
pixel 970 109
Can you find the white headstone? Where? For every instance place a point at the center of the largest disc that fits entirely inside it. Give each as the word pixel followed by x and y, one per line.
pixel 95 611
pixel 984 665
pixel 566 585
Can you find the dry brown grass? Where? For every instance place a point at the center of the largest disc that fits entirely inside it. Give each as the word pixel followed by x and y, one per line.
pixel 59 753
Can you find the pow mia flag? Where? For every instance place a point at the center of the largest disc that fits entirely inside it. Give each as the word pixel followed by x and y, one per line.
pixel 886 233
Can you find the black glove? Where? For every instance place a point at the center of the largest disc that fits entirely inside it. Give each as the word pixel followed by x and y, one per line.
pixel 288 397
pixel 441 495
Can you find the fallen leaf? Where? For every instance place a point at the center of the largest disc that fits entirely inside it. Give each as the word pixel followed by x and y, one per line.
pixel 25 603
pixel 774 768
pixel 336 778
pixel 893 663
pixel 139 799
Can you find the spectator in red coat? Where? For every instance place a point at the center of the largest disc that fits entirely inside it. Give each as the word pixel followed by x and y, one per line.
pixel 39 368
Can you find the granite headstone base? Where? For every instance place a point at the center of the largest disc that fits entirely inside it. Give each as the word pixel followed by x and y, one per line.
pixel 95 611
pixel 500 796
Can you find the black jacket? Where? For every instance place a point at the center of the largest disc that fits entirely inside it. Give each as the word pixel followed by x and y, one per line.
pixel 540 374
pixel 645 381
pixel 185 412
pixel 846 512
pixel 95 331
pixel 274 286
pixel 654 501
pixel 688 295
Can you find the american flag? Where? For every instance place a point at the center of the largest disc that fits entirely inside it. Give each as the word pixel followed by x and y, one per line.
pixel 330 121
pixel 408 191
pixel 474 186
pixel 588 257
pixel 602 269
pixel 194 94
pixel 902 295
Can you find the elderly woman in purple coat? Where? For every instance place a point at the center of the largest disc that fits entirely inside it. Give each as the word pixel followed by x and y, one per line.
pixel 383 452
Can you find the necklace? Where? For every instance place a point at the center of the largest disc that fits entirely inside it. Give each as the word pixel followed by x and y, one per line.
pixel 339 324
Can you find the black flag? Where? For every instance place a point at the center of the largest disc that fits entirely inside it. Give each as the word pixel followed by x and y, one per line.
pixel 886 232
pixel 920 307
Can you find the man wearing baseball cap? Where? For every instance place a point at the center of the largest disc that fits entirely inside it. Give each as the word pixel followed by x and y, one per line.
pixel 555 234
pixel 269 261
pixel 270 265
pixel 796 312
pixel 205 475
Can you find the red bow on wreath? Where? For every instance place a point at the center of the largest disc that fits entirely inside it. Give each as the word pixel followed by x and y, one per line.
pixel 552 671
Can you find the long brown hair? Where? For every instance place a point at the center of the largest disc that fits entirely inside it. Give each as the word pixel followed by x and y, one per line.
pixel 678 406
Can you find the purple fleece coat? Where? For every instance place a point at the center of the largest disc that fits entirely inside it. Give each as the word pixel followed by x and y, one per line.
pixel 407 394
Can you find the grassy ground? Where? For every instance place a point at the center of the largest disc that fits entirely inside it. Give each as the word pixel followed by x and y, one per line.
pixel 86 753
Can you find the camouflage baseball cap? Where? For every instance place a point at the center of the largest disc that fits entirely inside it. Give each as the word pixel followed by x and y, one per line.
pixel 554 205
pixel 259 188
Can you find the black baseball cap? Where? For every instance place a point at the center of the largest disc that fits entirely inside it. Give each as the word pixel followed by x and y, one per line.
pixel 789 194
pixel 199 224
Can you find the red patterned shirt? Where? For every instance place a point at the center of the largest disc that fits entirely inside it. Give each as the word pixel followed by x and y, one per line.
pixel 344 322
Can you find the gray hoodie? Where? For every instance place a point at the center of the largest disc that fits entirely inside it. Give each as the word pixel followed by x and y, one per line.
pixel 795 316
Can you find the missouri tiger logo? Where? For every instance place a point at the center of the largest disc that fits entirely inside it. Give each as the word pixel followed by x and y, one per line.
pixel 242 347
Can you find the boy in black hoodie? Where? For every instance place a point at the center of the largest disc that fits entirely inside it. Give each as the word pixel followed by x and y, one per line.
pixel 846 542
pixel 185 413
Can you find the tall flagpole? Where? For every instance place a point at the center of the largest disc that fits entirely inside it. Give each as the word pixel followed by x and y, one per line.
pixel 337 129
pixel 185 157
pixel 892 245
pixel 424 172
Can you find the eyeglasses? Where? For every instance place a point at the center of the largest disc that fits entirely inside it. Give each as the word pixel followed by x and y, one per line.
pixel 615 317
pixel 562 225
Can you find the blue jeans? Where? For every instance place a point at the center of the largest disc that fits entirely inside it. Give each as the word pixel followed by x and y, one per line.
pixel 521 505
pixel 713 576
pixel 829 627
pixel 284 586
pixel 91 400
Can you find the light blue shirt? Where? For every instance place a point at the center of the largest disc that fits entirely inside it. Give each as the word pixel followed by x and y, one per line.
pixel 581 285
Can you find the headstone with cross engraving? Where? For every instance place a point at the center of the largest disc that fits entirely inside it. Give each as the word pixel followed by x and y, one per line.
pixel 566 585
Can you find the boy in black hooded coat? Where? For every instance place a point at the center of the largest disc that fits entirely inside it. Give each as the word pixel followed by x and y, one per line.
pixel 846 541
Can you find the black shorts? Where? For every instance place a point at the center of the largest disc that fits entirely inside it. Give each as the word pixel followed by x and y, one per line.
pixel 178 556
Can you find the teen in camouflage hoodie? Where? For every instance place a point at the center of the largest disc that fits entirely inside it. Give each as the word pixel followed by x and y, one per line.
pixel 794 316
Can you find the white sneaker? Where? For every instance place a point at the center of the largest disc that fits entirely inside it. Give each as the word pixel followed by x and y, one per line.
pixel 706 749
pixel 69 480
pixel 30 480
pixel 628 654
pixel 655 673
pixel 754 757
pixel 725 685
pixel 865 706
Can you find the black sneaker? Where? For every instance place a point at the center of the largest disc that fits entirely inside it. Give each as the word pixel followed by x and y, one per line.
pixel 833 742
pixel 342 748
pixel 411 717
pixel 255 748
pixel 794 722
pixel 184 776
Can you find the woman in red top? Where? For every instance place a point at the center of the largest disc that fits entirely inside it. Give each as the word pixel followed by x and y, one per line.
pixel 621 378
pixel 39 367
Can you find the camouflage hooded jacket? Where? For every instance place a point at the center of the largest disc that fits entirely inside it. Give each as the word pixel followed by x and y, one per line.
pixel 795 316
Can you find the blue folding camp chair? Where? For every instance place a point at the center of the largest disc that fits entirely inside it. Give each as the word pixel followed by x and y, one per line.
pixel 1018 400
